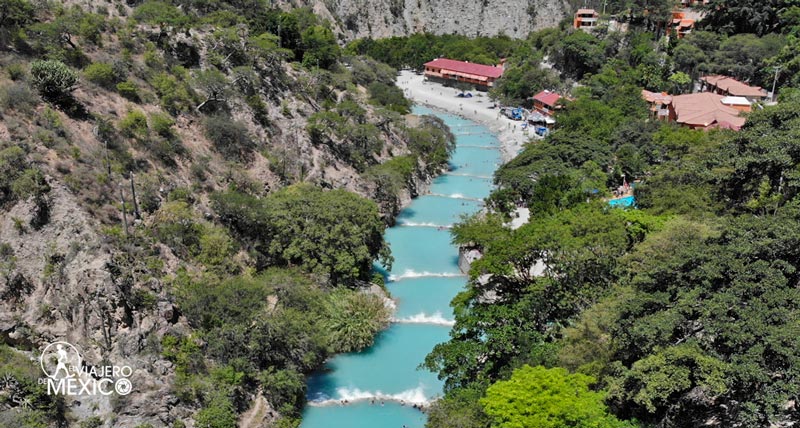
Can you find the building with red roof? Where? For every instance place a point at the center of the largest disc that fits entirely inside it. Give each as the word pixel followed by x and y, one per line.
pixel 546 102
pixel 585 18
pixel 724 85
pixel 659 104
pixel 449 70
pixel 681 26
pixel 704 110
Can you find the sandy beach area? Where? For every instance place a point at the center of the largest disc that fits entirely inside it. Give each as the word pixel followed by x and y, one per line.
pixel 510 133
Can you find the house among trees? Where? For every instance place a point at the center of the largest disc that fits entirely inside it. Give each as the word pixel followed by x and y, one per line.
pixel 546 102
pixel 585 18
pixel 724 85
pixel 704 110
pixel 449 71
pixel 659 104
pixel 681 26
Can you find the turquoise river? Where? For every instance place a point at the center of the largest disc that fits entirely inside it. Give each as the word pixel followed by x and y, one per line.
pixel 382 383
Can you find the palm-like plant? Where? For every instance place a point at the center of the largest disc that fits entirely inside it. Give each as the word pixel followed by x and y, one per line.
pixel 353 318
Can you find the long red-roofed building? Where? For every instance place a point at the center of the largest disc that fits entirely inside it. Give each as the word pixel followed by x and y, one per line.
pixel 725 85
pixel 449 70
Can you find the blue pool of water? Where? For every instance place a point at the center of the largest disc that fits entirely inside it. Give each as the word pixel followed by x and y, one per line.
pixel 627 201
pixel 423 280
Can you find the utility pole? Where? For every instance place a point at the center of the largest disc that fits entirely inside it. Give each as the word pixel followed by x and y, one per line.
pixel 108 161
pixel 124 215
pixel 136 213
pixel 774 82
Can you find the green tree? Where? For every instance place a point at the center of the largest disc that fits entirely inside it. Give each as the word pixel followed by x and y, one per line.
pixel 15 13
pixel 216 87
pixel 577 248
pixel 459 409
pixel 700 327
pixel 320 47
pixel 231 302
pixel 745 16
pixel 757 165
pixel 218 413
pixel 389 96
pixel 577 54
pixel 335 233
pixel 522 79
pixel 536 397
pixel 680 82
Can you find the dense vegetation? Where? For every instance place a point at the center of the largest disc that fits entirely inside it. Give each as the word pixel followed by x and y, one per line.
pixel 211 143
pixel 745 39
pixel 268 330
pixel 679 312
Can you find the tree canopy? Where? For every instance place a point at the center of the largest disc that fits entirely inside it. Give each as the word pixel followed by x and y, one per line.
pixel 536 397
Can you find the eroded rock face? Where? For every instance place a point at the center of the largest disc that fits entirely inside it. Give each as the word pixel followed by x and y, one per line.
pixel 386 18
pixel 64 287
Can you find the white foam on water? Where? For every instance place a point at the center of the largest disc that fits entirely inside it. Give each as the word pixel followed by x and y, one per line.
pixel 355 395
pixel 485 177
pixel 410 273
pixel 456 196
pixel 422 318
pixel 423 224
pixel 475 146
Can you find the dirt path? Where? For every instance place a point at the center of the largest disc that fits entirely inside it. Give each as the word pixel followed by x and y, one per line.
pixel 256 416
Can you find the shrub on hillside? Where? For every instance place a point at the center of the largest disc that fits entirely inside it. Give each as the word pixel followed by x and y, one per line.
pixel 160 13
pixel 16 71
pixel 134 125
pixel 128 90
pixel 230 137
pixel 389 96
pixel 54 79
pixel 162 124
pixel 101 74
pixel 12 163
pixel 18 96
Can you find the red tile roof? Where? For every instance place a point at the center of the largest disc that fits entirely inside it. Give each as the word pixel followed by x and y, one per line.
pixel 705 109
pixel 466 67
pixel 547 98
pixel 733 86
pixel 656 97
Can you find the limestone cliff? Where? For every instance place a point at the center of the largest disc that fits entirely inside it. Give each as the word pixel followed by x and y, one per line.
pixel 386 18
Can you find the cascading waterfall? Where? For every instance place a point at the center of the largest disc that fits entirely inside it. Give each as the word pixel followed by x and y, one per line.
pixel 382 386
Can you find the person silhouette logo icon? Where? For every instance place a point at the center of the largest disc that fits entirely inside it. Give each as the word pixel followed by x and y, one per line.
pixel 60 360
pixel 63 359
